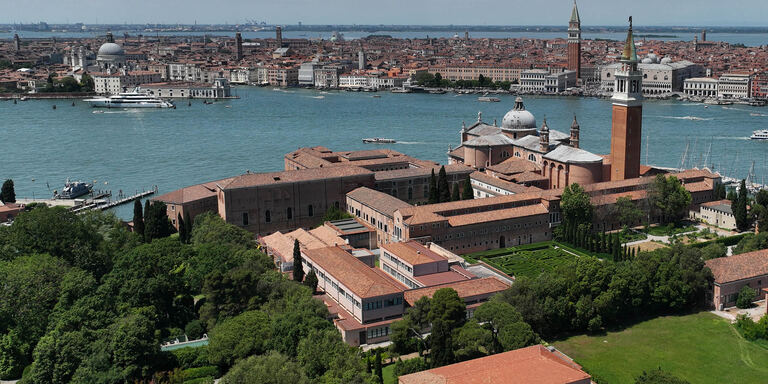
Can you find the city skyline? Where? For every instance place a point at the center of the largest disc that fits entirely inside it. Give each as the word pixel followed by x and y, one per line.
pixel 427 12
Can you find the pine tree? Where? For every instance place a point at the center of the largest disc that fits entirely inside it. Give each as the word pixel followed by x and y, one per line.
pixel 468 193
pixel 443 190
pixel 182 229
pixel 298 267
pixel 138 219
pixel 8 192
pixel 377 366
pixel 455 195
pixel 433 193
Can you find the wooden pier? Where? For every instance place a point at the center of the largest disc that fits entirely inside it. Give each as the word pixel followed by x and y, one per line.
pixel 103 202
pixel 127 199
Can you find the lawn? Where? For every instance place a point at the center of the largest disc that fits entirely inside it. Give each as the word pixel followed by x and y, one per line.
pixel 527 260
pixel 388 373
pixel 671 229
pixel 701 348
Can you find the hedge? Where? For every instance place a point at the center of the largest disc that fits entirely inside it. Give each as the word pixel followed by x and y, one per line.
pixel 200 380
pixel 201 372
pixel 727 241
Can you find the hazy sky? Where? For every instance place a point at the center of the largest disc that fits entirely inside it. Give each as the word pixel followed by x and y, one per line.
pixel 475 12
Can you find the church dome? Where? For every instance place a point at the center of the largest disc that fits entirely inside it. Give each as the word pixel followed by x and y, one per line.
pixel 111 49
pixel 518 117
pixel 666 60
pixel 647 61
pixel 653 57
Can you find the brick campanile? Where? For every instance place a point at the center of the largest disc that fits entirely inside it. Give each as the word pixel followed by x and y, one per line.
pixel 626 125
pixel 574 42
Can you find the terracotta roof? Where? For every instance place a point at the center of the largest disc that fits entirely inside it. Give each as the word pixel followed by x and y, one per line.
pixel 496 182
pixel 613 197
pixel 381 202
pixel 739 267
pixel 514 165
pixel 293 176
pixel 465 288
pixel 413 253
pixel 496 215
pixel 421 171
pixel 359 278
pixel 191 193
pixel 530 365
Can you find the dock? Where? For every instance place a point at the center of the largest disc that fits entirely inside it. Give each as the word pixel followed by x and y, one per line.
pixel 100 201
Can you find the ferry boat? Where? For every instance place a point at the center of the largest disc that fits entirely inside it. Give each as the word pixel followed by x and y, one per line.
pixel 378 140
pixel 489 99
pixel 760 135
pixel 73 190
pixel 129 100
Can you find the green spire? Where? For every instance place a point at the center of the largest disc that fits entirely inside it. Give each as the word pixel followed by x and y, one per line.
pixel 630 53
pixel 575 14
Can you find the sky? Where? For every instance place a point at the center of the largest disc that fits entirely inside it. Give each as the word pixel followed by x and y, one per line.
pixel 421 12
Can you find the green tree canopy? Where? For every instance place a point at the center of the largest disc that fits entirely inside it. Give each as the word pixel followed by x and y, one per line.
pixel 211 228
pixel 627 211
pixel 576 206
pixel 239 337
pixel 443 189
pixel 669 198
pixel 272 368
pixel 467 192
pixel 657 376
pixel 8 192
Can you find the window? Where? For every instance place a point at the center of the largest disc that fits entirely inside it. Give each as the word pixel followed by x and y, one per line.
pixel 245 218
pixel 289 213
pixel 310 210
pixel 267 216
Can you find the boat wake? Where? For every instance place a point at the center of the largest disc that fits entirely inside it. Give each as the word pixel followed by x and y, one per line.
pixel 692 118
pixel 413 142
pixel 132 110
pixel 317 97
pixel 759 114
pixel 730 137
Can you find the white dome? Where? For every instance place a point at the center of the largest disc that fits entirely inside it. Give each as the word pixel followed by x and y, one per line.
pixel 653 57
pixel 110 49
pixel 647 61
pixel 518 117
pixel 666 60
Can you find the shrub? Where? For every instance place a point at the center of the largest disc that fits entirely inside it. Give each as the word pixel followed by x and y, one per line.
pixel 201 372
pixel 201 380
pixel 745 298
pixel 409 366
pixel 194 329
pixel 190 357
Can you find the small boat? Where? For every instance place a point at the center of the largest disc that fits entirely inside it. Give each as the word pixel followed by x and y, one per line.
pixel 401 90
pixel 761 134
pixel 488 99
pixel 376 96
pixel 437 91
pixel 378 140
pixel 73 190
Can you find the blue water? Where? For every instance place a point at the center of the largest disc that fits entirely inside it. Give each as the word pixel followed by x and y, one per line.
pixel 131 150
pixel 748 39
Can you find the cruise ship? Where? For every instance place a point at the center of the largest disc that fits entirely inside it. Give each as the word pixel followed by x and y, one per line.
pixel 760 135
pixel 129 100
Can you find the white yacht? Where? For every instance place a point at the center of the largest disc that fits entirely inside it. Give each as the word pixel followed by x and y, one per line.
pixel 760 135
pixel 129 100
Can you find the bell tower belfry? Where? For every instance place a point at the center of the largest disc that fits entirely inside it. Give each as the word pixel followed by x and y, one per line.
pixel 626 123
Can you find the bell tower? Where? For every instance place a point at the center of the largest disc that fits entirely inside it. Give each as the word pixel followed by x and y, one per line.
pixel 574 42
pixel 626 124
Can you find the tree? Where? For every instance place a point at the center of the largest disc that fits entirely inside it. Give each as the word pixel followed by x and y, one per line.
pixel 669 198
pixel 377 366
pixel 446 313
pixel 627 211
pixel 333 214
pixel 298 267
pixel 8 192
pixel 188 227
pixel 239 337
pixel 467 193
pixel 156 223
pixel 182 229
pixel 713 251
pixel 576 206
pixel 506 324
pixel 272 368
pixel 138 219
pixel 311 281
pixel 211 228
pixel 86 83
pixel 761 197
pixel 657 376
pixel 455 195
pixel 434 197
pixel 745 298
pixel 739 208
pixel 443 189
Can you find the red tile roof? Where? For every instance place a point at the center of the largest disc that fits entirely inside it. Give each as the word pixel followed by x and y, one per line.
pixel 739 267
pixel 359 278
pixel 413 253
pixel 465 288
pixel 530 365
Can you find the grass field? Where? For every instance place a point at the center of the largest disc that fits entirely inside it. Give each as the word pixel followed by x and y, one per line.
pixel 701 348
pixel 388 373
pixel 527 260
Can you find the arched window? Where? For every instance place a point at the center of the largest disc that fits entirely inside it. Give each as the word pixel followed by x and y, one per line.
pixel 289 213
pixel 310 210
pixel 268 216
pixel 531 157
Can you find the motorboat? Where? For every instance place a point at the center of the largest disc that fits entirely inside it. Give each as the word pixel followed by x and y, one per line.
pixel 73 190
pixel 129 100
pixel 488 99
pixel 378 140
pixel 761 134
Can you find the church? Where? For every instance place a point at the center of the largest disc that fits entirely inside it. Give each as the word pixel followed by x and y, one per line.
pixel 521 152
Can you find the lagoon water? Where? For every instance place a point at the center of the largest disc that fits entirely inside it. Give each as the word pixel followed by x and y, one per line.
pixel 130 150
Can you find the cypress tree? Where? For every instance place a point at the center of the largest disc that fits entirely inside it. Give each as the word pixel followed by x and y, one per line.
pixel 433 195
pixel 138 219
pixel 443 190
pixel 740 208
pixel 633 253
pixel 455 195
pixel 467 194
pixel 311 281
pixel 367 363
pixel 616 247
pixel 182 229
pixel 298 268
pixel 8 192
pixel 188 226
pixel 377 366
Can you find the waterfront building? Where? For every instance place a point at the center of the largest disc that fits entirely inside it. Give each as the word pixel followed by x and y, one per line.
pixel 306 76
pixel 327 76
pixel 531 365
pixel 283 76
pixel 184 90
pixel 574 42
pixel 760 85
pixel 626 127
pixel 660 76
pixel 122 81
pixel 110 56
pixel 734 86
pixel 243 75
pixel 700 86
pixel 533 80
pixel 454 73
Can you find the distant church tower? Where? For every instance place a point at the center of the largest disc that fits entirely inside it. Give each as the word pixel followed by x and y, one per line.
pixel 626 127
pixel 574 42
pixel 16 42
pixel 238 46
